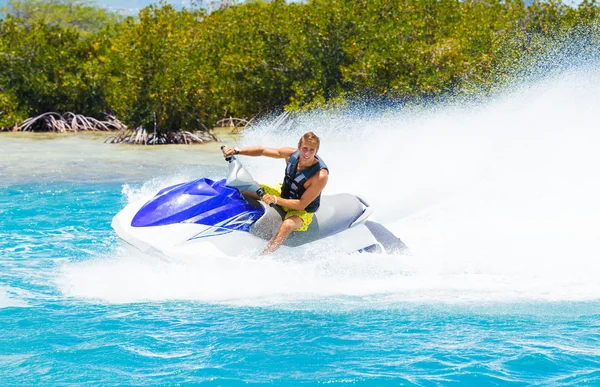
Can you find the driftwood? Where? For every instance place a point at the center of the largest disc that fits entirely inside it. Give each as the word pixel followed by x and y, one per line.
pixel 68 122
pixel 140 136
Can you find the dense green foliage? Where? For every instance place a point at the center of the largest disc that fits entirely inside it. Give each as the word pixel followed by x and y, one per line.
pixel 190 68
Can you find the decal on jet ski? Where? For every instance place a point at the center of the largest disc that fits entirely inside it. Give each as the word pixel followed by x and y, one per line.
pixel 241 222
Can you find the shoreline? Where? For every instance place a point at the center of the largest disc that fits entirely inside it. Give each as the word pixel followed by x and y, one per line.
pixel 224 134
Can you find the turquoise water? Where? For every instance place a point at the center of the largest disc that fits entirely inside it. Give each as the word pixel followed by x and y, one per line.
pixel 501 286
pixel 50 338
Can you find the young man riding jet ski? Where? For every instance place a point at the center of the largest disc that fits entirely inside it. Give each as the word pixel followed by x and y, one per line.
pixel 300 194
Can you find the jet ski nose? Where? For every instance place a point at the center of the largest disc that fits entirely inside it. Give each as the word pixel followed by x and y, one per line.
pixel 200 201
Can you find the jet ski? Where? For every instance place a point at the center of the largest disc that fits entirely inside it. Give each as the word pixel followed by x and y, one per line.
pixel 207 216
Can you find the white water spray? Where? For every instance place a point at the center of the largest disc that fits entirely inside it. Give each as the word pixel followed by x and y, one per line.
pixel 11 298
pixel 497 202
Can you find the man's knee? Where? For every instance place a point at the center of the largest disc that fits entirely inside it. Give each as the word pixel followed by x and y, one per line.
pixel 291 223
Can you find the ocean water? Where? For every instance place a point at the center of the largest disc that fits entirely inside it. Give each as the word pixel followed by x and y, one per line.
pixel 497 201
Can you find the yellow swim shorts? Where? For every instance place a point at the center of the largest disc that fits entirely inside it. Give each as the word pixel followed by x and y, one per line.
pixel 306 217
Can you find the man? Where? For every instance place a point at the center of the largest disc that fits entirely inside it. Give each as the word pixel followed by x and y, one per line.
pixel 300 194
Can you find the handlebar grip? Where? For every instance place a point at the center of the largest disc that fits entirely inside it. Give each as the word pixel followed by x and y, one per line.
pixel 261 192
pixel 227 158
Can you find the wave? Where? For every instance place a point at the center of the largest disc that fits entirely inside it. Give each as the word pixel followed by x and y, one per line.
pixel 9 298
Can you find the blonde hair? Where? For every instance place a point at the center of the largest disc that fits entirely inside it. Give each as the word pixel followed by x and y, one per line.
pixel 310 138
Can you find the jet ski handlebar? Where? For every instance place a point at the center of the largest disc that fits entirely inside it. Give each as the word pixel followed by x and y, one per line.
pixel 229 158
pixel 239 178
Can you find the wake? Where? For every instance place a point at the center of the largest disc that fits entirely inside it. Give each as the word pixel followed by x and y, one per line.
pixel 497 202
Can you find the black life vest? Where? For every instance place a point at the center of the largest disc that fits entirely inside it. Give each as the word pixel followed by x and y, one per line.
pixel 293 183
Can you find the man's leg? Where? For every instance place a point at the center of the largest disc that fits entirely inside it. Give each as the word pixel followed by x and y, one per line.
pixel 288 225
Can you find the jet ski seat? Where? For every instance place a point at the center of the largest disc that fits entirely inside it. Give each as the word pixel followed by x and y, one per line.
pixel 336 213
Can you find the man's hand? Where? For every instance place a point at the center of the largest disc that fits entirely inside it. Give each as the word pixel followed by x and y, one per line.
pixel 227 151
pixel 268 199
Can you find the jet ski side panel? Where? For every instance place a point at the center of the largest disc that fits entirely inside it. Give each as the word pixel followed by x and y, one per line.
pixel 336 214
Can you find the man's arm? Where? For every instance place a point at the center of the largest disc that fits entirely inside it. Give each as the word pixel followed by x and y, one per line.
pixel 309 195
pixel 276 153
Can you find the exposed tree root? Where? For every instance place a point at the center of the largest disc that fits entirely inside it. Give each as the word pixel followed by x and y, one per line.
pixel 68 122
pixel 140 136
pixel 231 122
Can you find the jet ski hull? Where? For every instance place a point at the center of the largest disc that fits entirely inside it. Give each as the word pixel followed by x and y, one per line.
pixel 191 239
pixel 204 216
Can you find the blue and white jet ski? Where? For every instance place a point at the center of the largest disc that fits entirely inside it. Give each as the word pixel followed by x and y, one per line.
pixel 206 216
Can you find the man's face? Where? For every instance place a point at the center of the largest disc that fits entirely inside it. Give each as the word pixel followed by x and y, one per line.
pixel 307 151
